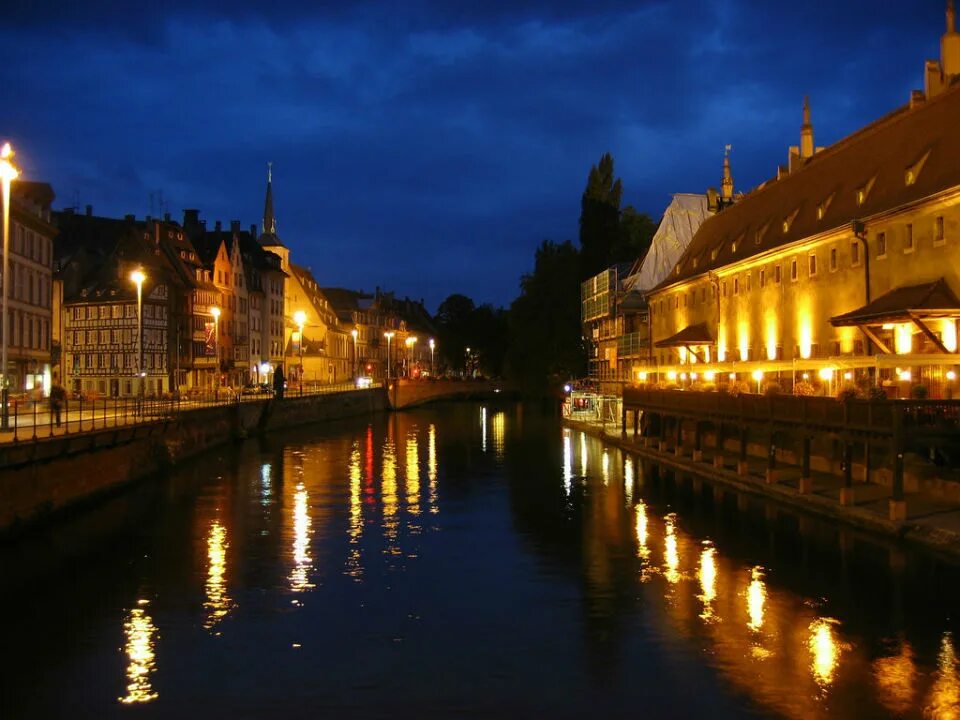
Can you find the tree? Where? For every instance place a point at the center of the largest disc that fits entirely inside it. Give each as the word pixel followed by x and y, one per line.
pixel 461 324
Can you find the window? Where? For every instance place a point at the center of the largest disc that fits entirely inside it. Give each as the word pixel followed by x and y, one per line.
pixel 908 239
pixel 749 282
pixel 938 236
pixel 833 259
pixel 723 289
pixel 736 286
pixel 855 253
pixel 793 269
pixel 861 196
pixel 763 277
pixel 777 273
pixel 881 245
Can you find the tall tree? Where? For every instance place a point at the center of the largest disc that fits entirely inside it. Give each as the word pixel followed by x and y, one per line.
pixel 599 217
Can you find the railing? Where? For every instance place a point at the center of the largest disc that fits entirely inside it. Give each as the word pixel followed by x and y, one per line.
pixel 30 421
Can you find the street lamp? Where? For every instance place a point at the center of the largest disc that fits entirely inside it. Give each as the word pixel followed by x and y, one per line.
pixel 432 346
pixel 215 311
pixel 468 363
pixel 8 173
pixel 137 276
pixel 389 336
pixel 300 318
pixel 354 333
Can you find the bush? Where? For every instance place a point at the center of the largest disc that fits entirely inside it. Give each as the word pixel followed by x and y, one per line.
pixel 876 393
pixel 772 388
pixel 735 388
pixel 804 389
pixel 847 393
pixel 919 392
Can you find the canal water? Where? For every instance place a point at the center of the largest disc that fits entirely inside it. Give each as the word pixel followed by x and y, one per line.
pixel 464 561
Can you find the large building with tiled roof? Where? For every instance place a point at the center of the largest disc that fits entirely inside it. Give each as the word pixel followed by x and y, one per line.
pixel 785 283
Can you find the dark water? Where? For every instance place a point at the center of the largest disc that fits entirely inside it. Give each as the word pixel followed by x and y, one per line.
pixel 463 562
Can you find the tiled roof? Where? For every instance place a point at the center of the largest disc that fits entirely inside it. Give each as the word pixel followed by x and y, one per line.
pixel 934 298
pixel 691 335
pixel 906 156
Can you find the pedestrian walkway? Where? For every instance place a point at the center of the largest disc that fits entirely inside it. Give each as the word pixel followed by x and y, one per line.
pixel 931 521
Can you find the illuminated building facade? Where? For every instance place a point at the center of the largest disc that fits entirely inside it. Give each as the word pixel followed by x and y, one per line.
pixel 844 269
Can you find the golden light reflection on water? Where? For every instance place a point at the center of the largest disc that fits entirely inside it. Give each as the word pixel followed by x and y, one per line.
pixel 824 650
pixel 483 429
pixel 756 598
pixel 671 554
pixel 895 676
pixel 355 528
pixel 944 699
pixel 141 639
pixel 583 454
pixel 413 474
pixel 432 467
pixel 567 461
pixel 605 467
pixel 388 491
pixel 218 602
pixel 642 549
pixel 498 426
pixel 708 581
pixel 628 480
pixel 300 575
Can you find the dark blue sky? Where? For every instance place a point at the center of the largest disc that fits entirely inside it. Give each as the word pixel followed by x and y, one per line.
pixel 428 146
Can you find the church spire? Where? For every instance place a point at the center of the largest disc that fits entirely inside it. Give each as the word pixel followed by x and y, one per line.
pixel 726 183
pixel 950 46
pixel 269 221
pixel 806 131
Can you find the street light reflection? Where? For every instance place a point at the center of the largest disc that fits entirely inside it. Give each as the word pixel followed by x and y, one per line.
pixel 708 580
pixel 628 480
pixel 432 467
pixel 671 555
pixel 756 598
pixel 389 491
pixel 141 637
pixel 355 529
pixel 824 650
pixel 945 694
pixel 895 677
pixel 567 461
pixel 413 474
pixel 218 602
pixel 299 576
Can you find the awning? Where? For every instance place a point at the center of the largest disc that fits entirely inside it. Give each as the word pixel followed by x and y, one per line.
pixel 690 335
pixel 904 304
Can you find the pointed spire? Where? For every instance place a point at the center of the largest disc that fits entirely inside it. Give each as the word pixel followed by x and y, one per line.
pixel 726 183
pixel 269 221
pixel 806 131
pixel 950 47
pixel 951 17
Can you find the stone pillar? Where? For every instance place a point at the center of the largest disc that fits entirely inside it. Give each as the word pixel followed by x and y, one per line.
pixel 771 474
pixel 866 462
pixel 697 451
pixel 846 492
pixel 742 466
pixel 678 448
pixel 718 455
pixel 636 421
pixel 806 481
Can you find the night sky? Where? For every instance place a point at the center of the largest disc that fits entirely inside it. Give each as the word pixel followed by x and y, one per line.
pixel 428 146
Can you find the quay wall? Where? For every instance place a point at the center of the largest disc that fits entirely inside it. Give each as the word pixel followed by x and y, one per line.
pixel 40 478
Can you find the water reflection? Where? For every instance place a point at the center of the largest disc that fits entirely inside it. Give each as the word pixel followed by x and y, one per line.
pixel 896 677
pixel 266 486
pixel 708 580
pixel 945 694
pixel 355 527
pixel 671 553
pixel 432 467
pixel 388 491
pixel 583 454
pixel 567 461
pixel 141 639
pixel 413 473
pixel 824 650
pixel 605 467
pixel 218 602
pixel 483 429
pixel 498 428
pixel 756 597
pixel 300 575
pixel 628 480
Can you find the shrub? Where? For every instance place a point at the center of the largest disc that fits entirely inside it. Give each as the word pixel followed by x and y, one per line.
pixel 804 389
pixel 772 388
pixel 919 392
pixel 876 393
pixel 847 393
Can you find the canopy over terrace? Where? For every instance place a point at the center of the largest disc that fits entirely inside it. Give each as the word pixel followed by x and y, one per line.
pixel 696 339
pixel 889 321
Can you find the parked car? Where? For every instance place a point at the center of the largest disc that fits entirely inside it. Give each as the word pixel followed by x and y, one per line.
pixel 364 381
pixel 257 389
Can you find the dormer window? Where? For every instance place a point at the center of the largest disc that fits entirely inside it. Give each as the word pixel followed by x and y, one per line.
pixel 695 262
pixel 912 172
pixel 863 192
pixel 713 254
pixel 733 246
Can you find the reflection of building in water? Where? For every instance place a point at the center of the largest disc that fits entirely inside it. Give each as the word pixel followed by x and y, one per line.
pixel 671 554
pixel 628 480
pixel 583 454
pixel 218 602
pixel 567 461
pixel 944 699
pixel 432 468
pixel 388 491
pixel 413 473
pixel 642 550
pixel 895 676
pixel 300 575
pixel 605 467
pixel 141 638
pixel 756 597
pixel 483 429
pixel 355 527
pixel 266 485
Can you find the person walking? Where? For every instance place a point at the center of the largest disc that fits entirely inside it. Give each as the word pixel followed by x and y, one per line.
pixel 278 383
pixel 58 396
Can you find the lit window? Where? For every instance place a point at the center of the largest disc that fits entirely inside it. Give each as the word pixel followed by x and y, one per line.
pixel 881 245
pixel 776 274
pixel 908 239
pixel 736 286
pixel 938 236
pixel 733 247
pixel 763 277
pixel 861 196
pixel 820 211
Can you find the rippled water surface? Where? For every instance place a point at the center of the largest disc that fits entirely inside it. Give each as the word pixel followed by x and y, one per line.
pixel 464 561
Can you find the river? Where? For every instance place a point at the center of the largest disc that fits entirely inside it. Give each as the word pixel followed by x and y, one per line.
pixel 464 561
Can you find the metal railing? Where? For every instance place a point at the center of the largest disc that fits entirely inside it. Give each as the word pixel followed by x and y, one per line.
pixel 32 421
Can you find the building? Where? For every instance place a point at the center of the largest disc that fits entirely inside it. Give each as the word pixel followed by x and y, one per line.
pixel 30 291
pixel 321 350
pixel 844 269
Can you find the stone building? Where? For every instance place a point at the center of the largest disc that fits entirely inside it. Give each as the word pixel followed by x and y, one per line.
pixel 842 269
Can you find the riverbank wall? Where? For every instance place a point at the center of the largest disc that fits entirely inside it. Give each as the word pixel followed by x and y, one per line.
pixel 934 526
pixel 39 479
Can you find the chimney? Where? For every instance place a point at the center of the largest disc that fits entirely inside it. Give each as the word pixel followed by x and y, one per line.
pixel 806 132
pixel 235 226
pixel 89 210
pixel 713 200
pixel 950 47
pixel 191 218
pixel 916 98
pixel 216 226
pixel 166 217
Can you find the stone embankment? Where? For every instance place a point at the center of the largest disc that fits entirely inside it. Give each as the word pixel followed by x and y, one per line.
pixel 41 478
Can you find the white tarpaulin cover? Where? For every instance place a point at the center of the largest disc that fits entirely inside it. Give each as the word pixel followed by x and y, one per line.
pixel 681 220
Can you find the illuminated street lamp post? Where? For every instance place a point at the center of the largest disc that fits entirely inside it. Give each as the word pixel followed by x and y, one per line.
pixel 354 332
pixel 8 173
pixel 137 276
pixel 215 311
pixel 389 336
pixel 432 346
pixel 467 372
pixel 300 318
